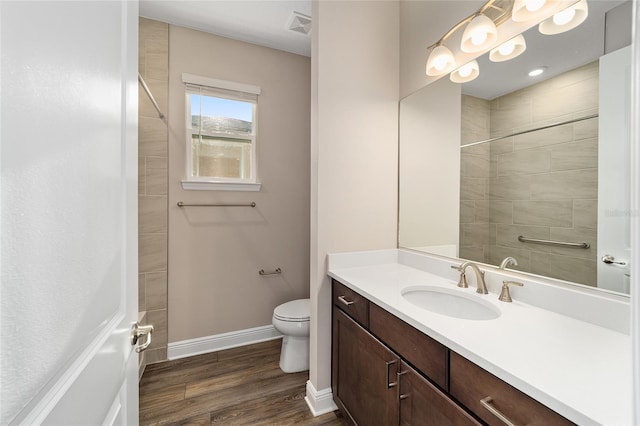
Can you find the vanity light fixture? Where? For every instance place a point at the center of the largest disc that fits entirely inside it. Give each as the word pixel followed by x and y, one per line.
pixel 480 34
pixel 537 71
pixel 466 73
pixel 528 10
pixel 441 61
pixel 508 50
pixel 566 19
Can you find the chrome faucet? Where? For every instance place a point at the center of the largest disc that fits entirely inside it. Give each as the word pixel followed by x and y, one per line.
pixel 482 286
pixel 508 261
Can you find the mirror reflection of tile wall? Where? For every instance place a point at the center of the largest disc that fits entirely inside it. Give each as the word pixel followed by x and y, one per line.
pixel 541 184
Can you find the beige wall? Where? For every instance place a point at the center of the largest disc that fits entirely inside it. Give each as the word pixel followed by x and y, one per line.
pixel 153 65
pixel 354 142
pixel 215 253
pixel 541 184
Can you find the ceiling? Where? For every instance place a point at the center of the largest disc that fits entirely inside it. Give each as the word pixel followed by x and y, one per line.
pixel 267 23
pixel 261 22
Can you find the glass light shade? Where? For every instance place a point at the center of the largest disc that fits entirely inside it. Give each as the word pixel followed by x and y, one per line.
pixel 441 61
pixel 466 73
pixel 528 10
pixel 508 50
pixel 565 20
pixel 480 34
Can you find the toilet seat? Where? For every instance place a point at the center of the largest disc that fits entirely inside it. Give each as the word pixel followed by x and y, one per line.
pixel 294 311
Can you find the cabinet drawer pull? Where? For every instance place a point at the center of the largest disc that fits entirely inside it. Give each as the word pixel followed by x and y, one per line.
pixel 392 384
pixel 486 403
pixel 345 301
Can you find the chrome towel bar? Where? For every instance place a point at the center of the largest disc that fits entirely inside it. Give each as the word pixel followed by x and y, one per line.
pixel 181 204
pixel 582 245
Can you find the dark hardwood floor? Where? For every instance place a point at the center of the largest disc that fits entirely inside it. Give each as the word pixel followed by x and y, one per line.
pixel 240 386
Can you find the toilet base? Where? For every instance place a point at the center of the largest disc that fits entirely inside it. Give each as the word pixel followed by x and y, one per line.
pixel 294 354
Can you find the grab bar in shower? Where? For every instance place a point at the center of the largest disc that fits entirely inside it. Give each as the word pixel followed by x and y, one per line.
pixel 582 245
pixel 277 271
pixel 181 204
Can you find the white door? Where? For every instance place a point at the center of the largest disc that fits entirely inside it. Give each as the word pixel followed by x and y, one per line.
pixel 613 171
pixel 68 212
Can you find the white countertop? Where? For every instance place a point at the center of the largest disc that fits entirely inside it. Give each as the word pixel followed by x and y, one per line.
pixel 578 369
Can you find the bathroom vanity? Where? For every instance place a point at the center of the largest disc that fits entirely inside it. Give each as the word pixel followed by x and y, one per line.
pixel 395 360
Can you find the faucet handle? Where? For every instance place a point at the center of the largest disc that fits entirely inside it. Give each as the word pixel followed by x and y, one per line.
pixel 505 296
pixel 457 268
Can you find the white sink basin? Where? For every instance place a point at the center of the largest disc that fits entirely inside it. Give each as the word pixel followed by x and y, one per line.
pixel 451 303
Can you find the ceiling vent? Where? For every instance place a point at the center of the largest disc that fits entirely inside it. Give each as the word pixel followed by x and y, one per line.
pixel 300 23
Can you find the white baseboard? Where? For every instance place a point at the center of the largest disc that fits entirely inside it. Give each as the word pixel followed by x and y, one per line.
pixel 319 402
pixel 217 342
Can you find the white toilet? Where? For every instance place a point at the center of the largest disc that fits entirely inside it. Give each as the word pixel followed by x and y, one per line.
pixel 292 320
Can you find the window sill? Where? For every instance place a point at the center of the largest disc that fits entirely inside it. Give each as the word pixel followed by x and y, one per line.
pixel 200 185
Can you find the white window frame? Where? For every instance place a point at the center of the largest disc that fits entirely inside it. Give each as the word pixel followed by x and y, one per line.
pixel 228 90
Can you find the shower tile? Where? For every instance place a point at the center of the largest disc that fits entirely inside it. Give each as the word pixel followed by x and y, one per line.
pixel 585 213
pixel 474 235
pixel 576 184
pixel 473 188
pixel 475 254
pixel 579 96
pixel 586 129
pixel 156 176
pixel 544 137
pixel 502 146
pixel 575 235
pixel 156 290
pixel 152 214
pixel 141 175
pixel 543 213
pixel 501 212
pixel 510 188
pixel 482 211
pixel 582 154
pixel 157 66
pixel 567 268
pixel 142 306
pixel 152 137
pixel 474 166
pixel 476 113
pixel 524 162
pixel 467 211
pixel 152 252
pixel 159 321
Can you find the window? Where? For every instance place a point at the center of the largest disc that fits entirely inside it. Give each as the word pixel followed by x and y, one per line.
pixel 221 134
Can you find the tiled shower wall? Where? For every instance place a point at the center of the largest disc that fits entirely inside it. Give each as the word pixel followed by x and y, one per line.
pixel 541 184
pixel 152 188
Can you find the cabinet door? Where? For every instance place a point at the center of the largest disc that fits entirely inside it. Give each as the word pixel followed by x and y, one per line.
pixel 364 374
pixel 422 403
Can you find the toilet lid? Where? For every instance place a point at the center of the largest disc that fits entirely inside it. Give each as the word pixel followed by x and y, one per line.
pixel 296 309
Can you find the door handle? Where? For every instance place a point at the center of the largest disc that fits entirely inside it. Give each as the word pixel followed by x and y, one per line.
pixel 608 259
pixel 137 331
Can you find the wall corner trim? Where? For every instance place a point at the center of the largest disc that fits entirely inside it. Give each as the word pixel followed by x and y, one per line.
pixel 319 402
pixel 218 342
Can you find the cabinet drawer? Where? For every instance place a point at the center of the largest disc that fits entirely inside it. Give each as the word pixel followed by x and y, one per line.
pixel 354 305
pixel 424 353
pixel 470 384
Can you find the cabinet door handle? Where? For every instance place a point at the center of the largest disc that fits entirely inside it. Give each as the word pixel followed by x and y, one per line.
pixel 486 403
pixel 392 384
pixel 401 396
pixel 345 301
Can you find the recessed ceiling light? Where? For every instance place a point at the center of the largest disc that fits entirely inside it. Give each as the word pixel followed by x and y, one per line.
pixel 537 71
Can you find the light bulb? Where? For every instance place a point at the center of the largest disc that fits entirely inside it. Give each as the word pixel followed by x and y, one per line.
pixel 440 63
pixel 507 48
pixel 533 5
pixel 478 38
pixel 466 70
pixel 564 17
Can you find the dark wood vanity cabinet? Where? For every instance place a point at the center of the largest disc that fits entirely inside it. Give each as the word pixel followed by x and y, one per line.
pixel 386 372
pixel 371 383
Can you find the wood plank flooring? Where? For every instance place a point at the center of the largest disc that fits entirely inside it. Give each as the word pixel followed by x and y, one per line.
pixel 240 386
